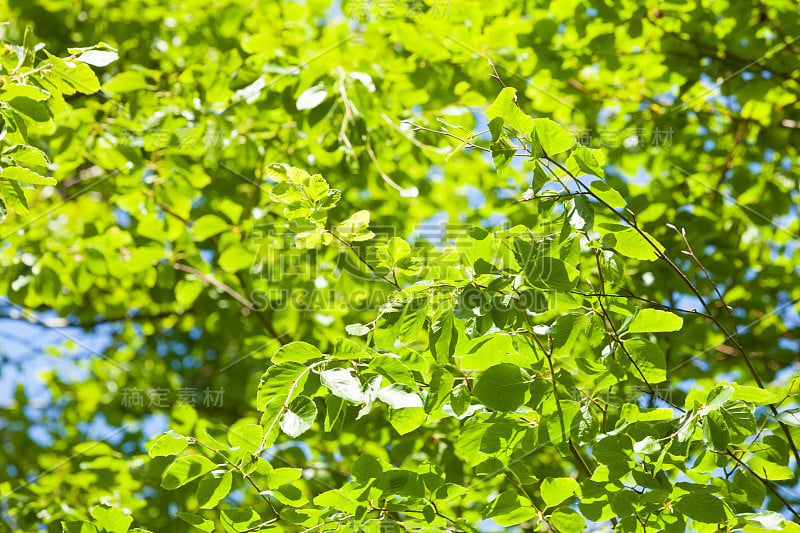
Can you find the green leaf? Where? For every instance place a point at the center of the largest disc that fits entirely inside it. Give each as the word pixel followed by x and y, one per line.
pixel 443 336
pixel 630 242
pixel 556 490
pixel 169 443
pixel 185 469
pixel 567 520
pixel 197 521
pixel 126 82
pixel 78 526
pixel 31 109
pixel 407 419
pixel 703 508
pixel 652 320
pixel 715 433
pixel 212 489
pixel 552 138
pixel 356 227
pixel 502 387
pixel 754 395
pixel 393 368
pixel 13 196
pixel 280 382
pixel 366 467
pixel 11 91
pixel 505 108
pixel 607 194
pixel 648 361
pixel 236 258
pixel 583 160
pixel 281 476
pixel 299 417
pixel 551 272
pixel 73 76
pixel 297 352
pixel 413 318
pixel 112 519
pixel 718 396
pixel 246 437
pixel 509 509
pixel 208 226
pixel 237 520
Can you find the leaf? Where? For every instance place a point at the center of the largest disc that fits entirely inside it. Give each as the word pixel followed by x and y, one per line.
pixel 358 330
pixel 98 58
pixel 718 396
pixel 407 420
pixel 238 520
pixel 342 383
pixel 72 76
pixel 649 362
pixel 485 351
pixel 126 82
pixel 567 520
pixel 397 397
pixel 185 469
pixel 585 160
pixel 551 137
pixel 356 227
pixel 413 319
pixel 297 352
pixel 13 196
pixel 715 433
pixel 790 417
pixel 703 508
pixel 112 519
pixel 311 98
pixel 769 520
pixel 502 387
pixel 236 258
pixel 366 467
pixel 443 336
pixel 78 526
pixel 556 490
pixel 197 521
pixel 652 320
pixel 280 382
pixel 508 509
pixel 299 417
pixel 630 242
pixel 169 443
pixel 504 107
pixel 281 476
pixel 551 272
pixel 11 91
pixel 393 368
pixel 212 489
pixel 754 395
pixel 208 226
pixel 33 110
pixel 246 437
pixel 607 194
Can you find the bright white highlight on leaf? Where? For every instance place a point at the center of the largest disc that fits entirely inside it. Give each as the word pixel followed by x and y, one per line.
pixel 311 98
pixel 397 398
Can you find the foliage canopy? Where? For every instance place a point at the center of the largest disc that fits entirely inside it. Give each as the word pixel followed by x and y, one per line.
pixel 433 266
